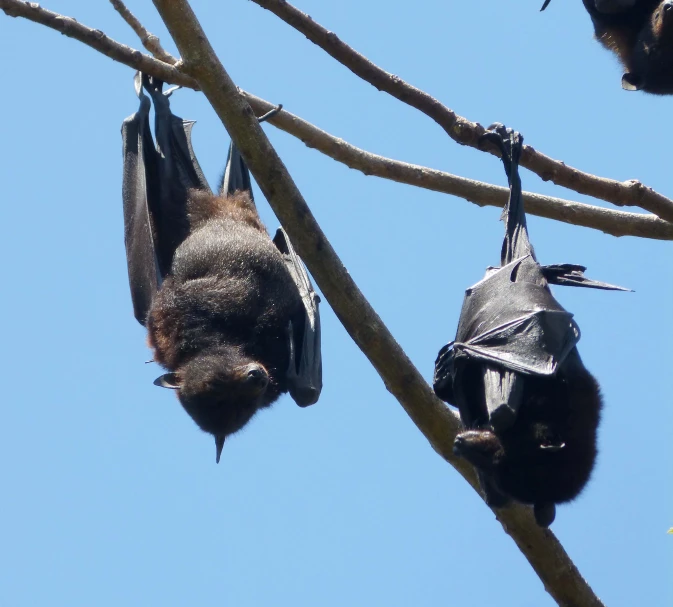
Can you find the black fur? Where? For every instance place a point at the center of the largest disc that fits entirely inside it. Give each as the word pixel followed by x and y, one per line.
pixel 546 457
pixel 530 408
pixel 640 33
pixel 220 320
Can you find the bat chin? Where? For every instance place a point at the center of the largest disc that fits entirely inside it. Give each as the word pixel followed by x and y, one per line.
pixel 221 419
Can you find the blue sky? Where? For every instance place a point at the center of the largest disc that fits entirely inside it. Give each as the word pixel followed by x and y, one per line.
pixel 111 495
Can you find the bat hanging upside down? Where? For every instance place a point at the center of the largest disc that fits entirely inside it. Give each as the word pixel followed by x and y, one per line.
pixel 640 33
pixel 530 407
pixel 230 313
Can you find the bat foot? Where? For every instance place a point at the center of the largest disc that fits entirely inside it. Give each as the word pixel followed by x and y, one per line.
pixel 502 137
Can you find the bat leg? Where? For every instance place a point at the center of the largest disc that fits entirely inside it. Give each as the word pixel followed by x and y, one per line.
pixel 544 514
pixel 503 391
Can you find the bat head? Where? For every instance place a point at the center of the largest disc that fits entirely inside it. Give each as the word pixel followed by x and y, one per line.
pixel 221 389
pixel 516 469
pixel 547 455
pixel 651 66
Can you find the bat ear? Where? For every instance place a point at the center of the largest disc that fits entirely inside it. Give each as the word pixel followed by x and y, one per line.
pixel 168 380
pixel 631 82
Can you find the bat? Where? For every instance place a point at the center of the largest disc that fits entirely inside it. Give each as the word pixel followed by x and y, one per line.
pixel 530 408
pixel 231 314
pixel 640 33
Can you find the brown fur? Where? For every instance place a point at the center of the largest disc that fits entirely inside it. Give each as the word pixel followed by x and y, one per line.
pixel 220 322
pixel 239 206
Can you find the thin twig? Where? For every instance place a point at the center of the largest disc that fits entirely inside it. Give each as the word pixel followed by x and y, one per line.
pixel 558 573
pixel 617 223
pixel 148 40
pixel 463 131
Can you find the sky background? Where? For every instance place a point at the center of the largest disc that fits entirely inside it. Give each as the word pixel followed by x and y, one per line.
pixel 110 493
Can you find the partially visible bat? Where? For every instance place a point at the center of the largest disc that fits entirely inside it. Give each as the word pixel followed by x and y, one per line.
pixel 230 313
pixel 640 33
pixel 530 407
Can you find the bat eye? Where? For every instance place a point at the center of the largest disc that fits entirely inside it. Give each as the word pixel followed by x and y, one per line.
pixel 168 380
pixel 257 376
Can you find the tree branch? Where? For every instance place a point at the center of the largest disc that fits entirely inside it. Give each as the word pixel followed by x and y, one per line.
pixel 463 131
pixel 97 40
pixel 433 418
pixel 617 223
pixel 148 40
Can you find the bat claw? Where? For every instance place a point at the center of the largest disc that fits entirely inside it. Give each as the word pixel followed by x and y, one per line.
pixel 508 141
pixel 270 113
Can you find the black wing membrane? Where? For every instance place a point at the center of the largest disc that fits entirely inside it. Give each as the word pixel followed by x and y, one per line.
pixel 236 174
pixel 154 189
pixel 139 167
pixel 510 322
pixel 304 374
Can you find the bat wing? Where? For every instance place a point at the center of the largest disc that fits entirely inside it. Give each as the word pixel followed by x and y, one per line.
pixel 236 174
pixel 515 323
pixel 154 190
pixel 305 372
pixel 140 166
pixel 511 326
pixel 571 275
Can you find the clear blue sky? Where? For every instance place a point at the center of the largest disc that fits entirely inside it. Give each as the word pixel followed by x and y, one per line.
pixel 111 495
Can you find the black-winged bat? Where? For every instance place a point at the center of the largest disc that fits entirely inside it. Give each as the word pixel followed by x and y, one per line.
pixel 530 407
pixel 640 33
pixel 230 313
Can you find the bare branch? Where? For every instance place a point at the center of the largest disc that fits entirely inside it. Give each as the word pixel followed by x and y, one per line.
pixel 617 223
pixel 463 131
pixel 97 40
pixel 148 40
pixel 558 573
